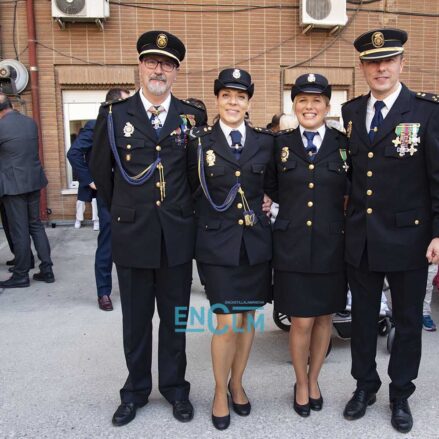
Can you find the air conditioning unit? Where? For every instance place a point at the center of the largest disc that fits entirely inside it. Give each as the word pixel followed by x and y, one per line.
pixel 323 13
pixel 13 77
pixel 80 10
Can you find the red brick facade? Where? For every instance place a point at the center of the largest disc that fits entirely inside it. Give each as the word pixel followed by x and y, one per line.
pixel 262 36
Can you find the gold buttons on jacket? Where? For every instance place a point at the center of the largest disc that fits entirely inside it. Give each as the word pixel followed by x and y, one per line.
pixel 417 222
pixel 237 173
pixel 369 173
pixel 158 148
pixel 240 222
pixel 158 203
pixel 311 185
pixel 118 218
pixel 369 210
pixel 311 167
pixel 157 184
pixel 128 157
pixel 239 205
pixel 370 155
pixel 310 204
pixel 128 146
pixel 369 192
pixel 309 223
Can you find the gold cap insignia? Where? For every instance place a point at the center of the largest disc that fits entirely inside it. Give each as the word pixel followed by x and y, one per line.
pixel 162 41
pixel 128 129
pixel 378 39
pixel 210 157
pixel 284 154
pixel 311 77
pixel 236 74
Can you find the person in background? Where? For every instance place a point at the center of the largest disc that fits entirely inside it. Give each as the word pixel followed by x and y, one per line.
pixel 428 323
pixel 78 156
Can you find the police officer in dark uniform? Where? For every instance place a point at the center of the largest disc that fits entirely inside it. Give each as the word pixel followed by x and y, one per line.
pixel 308 234
pixel 229 164
pixel 392 224
pixel 144 140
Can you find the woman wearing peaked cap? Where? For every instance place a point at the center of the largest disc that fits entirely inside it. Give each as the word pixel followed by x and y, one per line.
pixel 229 164
pixel 309 278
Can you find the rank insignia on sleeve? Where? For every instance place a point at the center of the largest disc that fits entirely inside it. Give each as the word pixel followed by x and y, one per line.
pixel 128 129
pixel 210 158
pixel 407 138
pixel 284 154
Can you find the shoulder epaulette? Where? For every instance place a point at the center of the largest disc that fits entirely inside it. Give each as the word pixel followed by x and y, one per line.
pixel 200 131
pixel 352 100
pixel 428 97
pixel 285 131
pixel 194 104
pixel 115 101
pixel 263 130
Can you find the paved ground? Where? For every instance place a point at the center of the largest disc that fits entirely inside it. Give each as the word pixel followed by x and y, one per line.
pixel 61 366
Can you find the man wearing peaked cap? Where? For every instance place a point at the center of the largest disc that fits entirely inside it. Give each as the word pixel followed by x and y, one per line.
pixel 152 220
pixel 392 219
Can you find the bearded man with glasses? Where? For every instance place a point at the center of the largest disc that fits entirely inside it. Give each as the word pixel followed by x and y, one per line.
pixel 139 166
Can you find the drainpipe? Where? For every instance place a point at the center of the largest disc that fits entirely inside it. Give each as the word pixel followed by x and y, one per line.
pixel 33 63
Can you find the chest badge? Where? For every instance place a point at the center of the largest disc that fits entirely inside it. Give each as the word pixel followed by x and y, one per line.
pixel 344 157
pixel 407 138
pixel 128 130
pixel 284 154
pixel 349 130
pixel 210 158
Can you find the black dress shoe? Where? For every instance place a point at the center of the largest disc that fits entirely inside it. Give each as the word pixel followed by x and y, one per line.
pixel 316 404
pixel 16 281
pixel 303 410
pixel 221 422
pixel 357 405
pixel 125 413
pixel 45 276
pixel 183 411
pixel 240 409
pixel 10 262
pixel 402 419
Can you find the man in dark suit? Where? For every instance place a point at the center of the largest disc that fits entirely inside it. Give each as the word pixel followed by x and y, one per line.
pixel 138 163
pixel 78 155
pixel 392 224
pixel 21 178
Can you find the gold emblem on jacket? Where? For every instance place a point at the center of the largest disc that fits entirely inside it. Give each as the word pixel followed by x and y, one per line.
pixel 284 154
pixel 210 158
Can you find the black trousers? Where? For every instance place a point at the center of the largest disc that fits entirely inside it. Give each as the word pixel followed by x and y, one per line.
pixel 408 291
pixel 4 219
pixel 139 289
pixel 23 213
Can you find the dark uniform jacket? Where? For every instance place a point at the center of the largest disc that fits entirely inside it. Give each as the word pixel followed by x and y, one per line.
pixel 20 167
pixel 79 156
pixel 220 234
pixel 140 220
pixel 394 202
pixel 308 233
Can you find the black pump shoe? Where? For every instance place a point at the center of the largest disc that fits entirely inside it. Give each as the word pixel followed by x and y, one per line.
pixel 221 422
pixel 240 409
pixel 303 410
pixel 316 404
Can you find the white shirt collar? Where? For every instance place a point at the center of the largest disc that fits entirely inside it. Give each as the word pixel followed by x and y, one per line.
pixel 321 130
pixel 389 101
pixel 226 130
pixel 165 104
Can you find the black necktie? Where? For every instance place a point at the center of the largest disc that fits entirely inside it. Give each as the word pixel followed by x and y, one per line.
pixel 377 119
pixel 310 148
pixel 236 137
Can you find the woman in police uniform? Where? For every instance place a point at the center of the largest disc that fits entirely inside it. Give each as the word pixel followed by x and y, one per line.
pixel 308 235
pixel 229 164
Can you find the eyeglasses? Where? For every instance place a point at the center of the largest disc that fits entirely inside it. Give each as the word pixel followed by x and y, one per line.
pixel 151 63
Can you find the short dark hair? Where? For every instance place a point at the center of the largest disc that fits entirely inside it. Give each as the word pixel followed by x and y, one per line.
pixel 115 93
pixel 5 102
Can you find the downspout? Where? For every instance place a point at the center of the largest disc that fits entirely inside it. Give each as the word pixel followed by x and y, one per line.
pixel 35 92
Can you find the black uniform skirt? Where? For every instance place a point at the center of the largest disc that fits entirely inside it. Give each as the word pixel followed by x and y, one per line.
pixel 309 294
pixel 233 290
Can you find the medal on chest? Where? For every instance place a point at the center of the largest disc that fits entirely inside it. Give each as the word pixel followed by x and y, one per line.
pixel 407 138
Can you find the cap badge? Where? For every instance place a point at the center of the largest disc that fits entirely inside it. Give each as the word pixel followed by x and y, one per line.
pixel 236 73
pixel 162 41
pixel 311 77
pixel 128 129
pixel 378 39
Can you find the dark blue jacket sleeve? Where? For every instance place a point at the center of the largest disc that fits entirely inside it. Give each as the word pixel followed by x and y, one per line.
pixel 79 152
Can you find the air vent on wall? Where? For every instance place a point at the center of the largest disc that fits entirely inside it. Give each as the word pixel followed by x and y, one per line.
pixel 80 10
pixel 13 76
pixel 323 14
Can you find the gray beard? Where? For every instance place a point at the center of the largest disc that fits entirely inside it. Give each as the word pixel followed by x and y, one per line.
pixel 157 90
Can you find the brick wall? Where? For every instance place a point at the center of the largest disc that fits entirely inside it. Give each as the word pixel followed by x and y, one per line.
pixel 263 41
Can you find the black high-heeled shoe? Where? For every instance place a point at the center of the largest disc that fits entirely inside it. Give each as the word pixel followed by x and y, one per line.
pixel 301 409
pixel 316 404
pixel 221 422
pixel 240 409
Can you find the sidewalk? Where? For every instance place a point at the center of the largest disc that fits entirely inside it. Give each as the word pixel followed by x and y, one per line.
pixel 62 364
